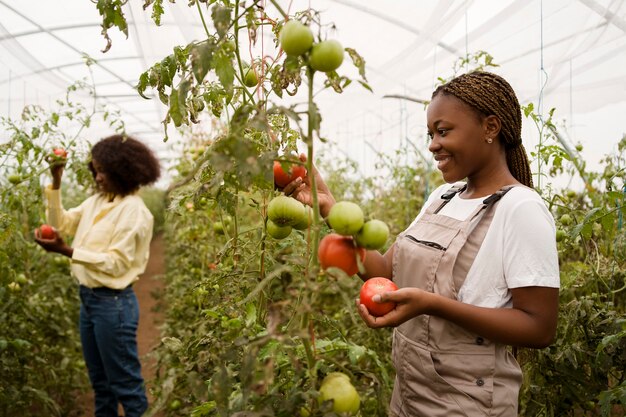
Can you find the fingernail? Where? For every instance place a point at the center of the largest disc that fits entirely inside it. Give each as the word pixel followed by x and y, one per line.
pixel 377 298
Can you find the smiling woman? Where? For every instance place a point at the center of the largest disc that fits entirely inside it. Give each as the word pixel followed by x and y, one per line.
pixel 477 270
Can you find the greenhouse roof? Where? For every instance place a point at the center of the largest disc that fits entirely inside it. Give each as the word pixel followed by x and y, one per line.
pixel 565 54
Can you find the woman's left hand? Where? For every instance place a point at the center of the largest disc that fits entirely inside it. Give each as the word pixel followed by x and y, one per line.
pixel 410 303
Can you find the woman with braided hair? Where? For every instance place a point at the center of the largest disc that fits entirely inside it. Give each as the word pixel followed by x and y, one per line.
pixel 477 270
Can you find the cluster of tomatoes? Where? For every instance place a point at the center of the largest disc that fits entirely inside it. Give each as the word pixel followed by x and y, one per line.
pixel 296 39
pixel 285 213
pixel 352 236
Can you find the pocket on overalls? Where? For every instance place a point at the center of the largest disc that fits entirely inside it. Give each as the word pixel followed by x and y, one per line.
pixel 470 373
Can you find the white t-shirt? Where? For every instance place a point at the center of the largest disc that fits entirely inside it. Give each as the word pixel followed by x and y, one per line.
pixel 519 249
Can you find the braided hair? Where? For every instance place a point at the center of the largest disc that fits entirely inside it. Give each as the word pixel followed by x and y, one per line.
pixel 489 94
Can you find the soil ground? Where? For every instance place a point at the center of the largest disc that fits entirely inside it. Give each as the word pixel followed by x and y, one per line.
pixel 150 318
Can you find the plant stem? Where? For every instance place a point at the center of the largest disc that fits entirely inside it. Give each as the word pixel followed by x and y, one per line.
pixel 280 10
pixel 206 29
pixel 313 260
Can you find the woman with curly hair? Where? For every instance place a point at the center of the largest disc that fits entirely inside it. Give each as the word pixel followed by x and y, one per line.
pixel 112 231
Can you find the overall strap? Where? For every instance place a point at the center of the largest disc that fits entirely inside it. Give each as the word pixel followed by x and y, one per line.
pixel 468 252
pixel 446 197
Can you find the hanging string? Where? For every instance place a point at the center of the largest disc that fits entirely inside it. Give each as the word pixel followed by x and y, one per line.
pixel 466 42
pixel 544 81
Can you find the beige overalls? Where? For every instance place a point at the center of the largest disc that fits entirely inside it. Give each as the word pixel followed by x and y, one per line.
pixel 441 368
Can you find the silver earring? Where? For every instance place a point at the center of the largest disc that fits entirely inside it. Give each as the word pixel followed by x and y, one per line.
pixel 489 140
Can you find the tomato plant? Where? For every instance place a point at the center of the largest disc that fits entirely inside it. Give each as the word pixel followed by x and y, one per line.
pixel 336 387
pixel 295 38
pixel 346 218
pixel 326 56
pixel 282 178
pixel 340 252
pixel 373 234
pixel 372 287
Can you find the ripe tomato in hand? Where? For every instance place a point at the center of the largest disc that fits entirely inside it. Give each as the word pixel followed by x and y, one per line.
pixel 60 152
pixel 46 232
pixel 340 252
pixel 282 178
pixel 370 288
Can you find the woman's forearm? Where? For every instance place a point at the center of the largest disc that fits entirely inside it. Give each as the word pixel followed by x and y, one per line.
pixel 527 324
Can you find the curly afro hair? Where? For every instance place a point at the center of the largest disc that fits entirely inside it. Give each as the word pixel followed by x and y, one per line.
pixel 128 163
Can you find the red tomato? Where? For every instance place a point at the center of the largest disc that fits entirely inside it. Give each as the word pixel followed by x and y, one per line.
pixel 340 252
pixel 46 232
pixel 60 152
pixel 282 178
pixel 370 288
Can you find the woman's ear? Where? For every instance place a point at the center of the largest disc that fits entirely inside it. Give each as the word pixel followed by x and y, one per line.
pixel 492 126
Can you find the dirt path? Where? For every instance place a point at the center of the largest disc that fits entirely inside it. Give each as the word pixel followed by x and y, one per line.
pixel 148 333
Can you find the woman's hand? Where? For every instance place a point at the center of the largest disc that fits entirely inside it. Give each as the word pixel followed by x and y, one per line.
pixel 56 170
pixel 56 244
pixel 301 190
pixel 410 303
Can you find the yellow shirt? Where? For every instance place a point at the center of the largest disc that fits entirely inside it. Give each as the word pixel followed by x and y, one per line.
pixel 111 238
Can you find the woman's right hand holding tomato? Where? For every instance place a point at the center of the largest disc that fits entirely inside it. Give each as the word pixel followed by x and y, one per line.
pixel 300 189
pixel 410 303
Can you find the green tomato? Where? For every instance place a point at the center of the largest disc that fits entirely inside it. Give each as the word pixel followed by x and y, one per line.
pixel 218 227
pixel 276 231
pixel 15 179
pixel 285 211
pixel 373 235
pixel 175 405
pixel 346 218
pixel 250 78
pixel 295 38
pixel 560 235
pixel 566 219
pixel 337 387
pixel 14 286
pixel 326 56
pixel 306 220
pixel 21 279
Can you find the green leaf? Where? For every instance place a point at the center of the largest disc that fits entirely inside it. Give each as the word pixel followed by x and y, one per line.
pixel 144 81
pixel 178 107
pixel 112 15
pixel 201 59
pixel 221 19
pixel 366 86
pixel 358 62
pixel 157 10
pixel 224 70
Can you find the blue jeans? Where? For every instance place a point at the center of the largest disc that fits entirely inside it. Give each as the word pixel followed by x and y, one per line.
pixel 108 330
